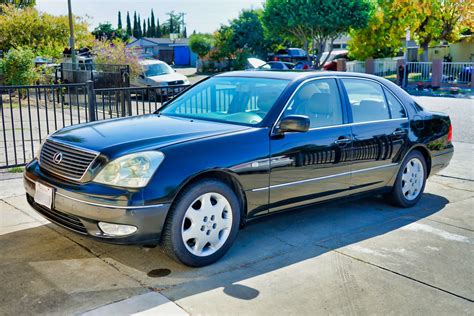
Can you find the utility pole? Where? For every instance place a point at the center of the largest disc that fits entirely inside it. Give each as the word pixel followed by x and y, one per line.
pixel 71 33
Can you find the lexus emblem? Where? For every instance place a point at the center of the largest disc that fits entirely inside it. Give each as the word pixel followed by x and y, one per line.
pixel 58 157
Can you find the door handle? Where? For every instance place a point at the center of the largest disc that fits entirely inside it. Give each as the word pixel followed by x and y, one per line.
pixel 342 141
pixel 399 132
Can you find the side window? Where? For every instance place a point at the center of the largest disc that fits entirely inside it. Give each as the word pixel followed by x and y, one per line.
pixel 276 66
pixel 320 101
pixel 367 100
pixel 396 108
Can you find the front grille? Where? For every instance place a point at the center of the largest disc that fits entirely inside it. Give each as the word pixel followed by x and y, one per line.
pixel 174 83
pixel 74 162
pixel 62 219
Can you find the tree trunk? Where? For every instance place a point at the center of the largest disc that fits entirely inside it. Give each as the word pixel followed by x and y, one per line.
pixel 424 54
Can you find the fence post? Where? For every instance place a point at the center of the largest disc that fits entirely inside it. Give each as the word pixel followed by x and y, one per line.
pixel 369 66
pixel 400 72
pixel 91 102
pixel 472 79
pixel 436 73
pixel 341 65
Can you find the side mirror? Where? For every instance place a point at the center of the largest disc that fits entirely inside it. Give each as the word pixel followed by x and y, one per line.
pixel 294 123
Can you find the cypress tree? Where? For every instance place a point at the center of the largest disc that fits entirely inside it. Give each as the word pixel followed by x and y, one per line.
pixel 158 28
pixel 135 25
pixel 148 28
pixel 129 26
pixel 119 22
pixel 185 33
pixel 144 33
pixel 152 26
pixel 139 24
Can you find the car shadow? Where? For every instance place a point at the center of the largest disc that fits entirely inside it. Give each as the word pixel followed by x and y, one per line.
pixel 264 245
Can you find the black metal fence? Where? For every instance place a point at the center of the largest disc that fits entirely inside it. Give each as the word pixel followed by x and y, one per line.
pixel 103 75
pixel 29 113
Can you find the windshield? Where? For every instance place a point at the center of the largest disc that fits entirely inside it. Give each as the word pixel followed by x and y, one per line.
pixel 157 69
pixel 228 99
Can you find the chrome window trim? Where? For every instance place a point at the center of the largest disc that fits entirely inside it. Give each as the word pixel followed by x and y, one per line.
pixel 323 178
pixel 358 123
pixel 383 87
pixel 344 124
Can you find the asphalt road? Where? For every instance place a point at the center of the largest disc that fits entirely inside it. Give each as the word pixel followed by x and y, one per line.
pixel 346 257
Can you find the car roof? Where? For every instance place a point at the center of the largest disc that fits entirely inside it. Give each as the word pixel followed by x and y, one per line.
pixel 293 75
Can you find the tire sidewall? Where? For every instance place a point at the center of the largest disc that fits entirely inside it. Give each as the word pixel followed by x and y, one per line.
pixel 184 201
pixel 399 197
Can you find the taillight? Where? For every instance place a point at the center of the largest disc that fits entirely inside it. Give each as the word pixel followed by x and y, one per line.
pixel 275 59
pixel 450 133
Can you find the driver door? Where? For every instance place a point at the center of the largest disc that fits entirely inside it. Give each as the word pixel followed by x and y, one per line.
pixel 311 166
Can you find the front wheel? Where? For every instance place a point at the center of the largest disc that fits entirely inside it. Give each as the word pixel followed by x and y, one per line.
pixel 411 180
pixel 202 224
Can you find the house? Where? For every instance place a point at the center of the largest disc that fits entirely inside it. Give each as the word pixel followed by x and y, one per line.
pixel 176 52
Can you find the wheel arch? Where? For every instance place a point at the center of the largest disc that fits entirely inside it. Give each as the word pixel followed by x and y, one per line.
pixel 225 176
pixel 426 154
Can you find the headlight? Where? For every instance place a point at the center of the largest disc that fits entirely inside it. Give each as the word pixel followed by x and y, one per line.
pixel 131 171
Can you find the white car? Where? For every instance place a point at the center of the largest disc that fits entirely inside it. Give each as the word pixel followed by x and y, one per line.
pixel 157 73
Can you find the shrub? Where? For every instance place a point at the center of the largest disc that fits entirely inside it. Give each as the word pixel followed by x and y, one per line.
pixel 116 53
pixel 18 67
pixel 200 44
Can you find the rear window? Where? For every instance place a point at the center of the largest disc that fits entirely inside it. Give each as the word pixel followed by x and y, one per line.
pixel 367 100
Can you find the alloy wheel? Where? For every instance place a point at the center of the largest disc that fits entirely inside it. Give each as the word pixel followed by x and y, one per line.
pixel 207 224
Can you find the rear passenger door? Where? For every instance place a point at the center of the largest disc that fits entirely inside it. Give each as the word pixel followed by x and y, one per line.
pixel 379 132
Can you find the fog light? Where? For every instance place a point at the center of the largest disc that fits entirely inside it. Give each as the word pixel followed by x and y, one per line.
pixel 116 229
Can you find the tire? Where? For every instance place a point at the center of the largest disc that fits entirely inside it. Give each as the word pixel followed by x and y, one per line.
pixel 411 180
pixel 202 224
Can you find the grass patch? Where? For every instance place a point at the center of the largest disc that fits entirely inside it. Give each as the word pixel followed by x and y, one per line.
pixel 16 170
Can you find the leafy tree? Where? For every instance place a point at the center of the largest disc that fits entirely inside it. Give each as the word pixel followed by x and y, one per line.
pixel 129 26
pixel 432 21
pixel 18 66
pixel 429 22
pixel 19 3
pixel 200 44
pixel 47 35
pixel 315 23
pixel 175 22
pixel 105 31
pixel 223 47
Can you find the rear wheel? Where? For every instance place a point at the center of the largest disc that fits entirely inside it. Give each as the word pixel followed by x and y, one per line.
pixel 202 224
pixel 411 180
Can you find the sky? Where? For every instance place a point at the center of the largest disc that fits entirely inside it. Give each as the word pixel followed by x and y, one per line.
pixel 204 16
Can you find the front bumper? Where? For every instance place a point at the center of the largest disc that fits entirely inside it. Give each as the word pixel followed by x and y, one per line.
pixel 81 213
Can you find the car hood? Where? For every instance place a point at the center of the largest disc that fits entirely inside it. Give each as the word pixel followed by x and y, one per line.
pixel 168 77
pixel 125 135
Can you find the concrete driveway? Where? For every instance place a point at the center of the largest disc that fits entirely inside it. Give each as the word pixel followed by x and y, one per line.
pixel 347 257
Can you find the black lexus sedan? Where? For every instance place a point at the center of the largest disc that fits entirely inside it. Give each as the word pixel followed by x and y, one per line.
pixel 234 147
